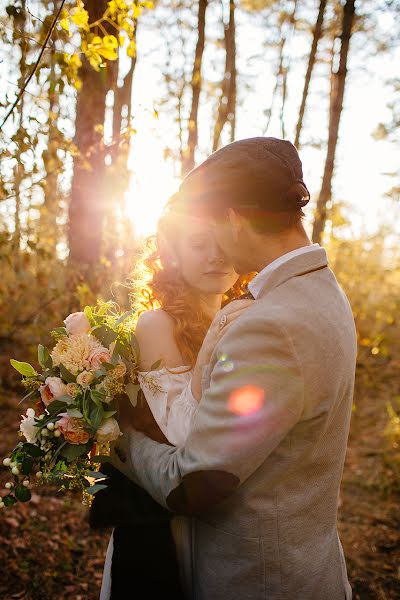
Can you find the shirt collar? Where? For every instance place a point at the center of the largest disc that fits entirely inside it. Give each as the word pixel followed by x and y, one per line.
pixel 255 286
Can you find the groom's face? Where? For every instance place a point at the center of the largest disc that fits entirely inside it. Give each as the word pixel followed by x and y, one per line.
pixel 232 244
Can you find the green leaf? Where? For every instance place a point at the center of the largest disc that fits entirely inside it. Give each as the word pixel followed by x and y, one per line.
pixel 96 416
pixel 27 466
pixel 107 366
pixel 32 450
pixel 24 368
pixel 66 399
pixel 96 475
pixel 66 375
pixel 22 493
pixel 105 334
pixel 127 314
pixel 97 397
pixel 109 413
pixel 155 365
pixel 55 407
pixel 73 451
pixel 9 500
pixel 74 412
pixel 44 357
pixel 132 390
pixel 89 314
pixel 96 488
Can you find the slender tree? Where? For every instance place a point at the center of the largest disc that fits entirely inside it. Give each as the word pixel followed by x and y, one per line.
pixel 227 101
pixel 338 81
pixel 317 33
pixel 189 156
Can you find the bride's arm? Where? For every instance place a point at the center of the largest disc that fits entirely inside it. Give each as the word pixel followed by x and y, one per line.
pixel 167 389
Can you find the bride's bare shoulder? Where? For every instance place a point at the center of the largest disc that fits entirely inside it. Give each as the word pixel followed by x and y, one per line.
pixel 154 320
pixel 155 335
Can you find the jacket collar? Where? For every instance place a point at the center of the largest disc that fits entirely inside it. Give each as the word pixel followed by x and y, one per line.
pixel 294 267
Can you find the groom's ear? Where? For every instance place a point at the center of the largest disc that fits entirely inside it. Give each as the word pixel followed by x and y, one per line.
pixel 236 222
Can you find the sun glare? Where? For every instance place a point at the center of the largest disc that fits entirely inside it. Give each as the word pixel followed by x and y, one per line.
pixel 151 185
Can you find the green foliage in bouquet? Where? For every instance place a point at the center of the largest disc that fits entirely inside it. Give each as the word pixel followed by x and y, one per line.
pixel 69 429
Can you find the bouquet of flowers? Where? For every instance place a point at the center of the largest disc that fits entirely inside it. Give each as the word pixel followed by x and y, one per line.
pixel 68 431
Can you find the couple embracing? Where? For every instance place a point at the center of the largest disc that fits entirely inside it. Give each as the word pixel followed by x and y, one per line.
pixel 232 462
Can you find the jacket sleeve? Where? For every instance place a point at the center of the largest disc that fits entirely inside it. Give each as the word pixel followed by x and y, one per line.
pixel 254 399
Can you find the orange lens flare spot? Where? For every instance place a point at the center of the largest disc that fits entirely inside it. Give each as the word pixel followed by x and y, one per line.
pixel 246 400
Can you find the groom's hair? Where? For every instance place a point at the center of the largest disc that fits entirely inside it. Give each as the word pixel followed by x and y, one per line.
pixel 261 178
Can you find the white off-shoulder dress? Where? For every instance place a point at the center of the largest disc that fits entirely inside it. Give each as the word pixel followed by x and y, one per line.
pixel 169 395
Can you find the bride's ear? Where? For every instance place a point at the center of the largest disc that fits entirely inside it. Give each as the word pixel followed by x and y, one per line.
pixel 236 223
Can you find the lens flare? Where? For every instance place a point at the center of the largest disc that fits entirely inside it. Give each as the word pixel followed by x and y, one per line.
pixel 246 400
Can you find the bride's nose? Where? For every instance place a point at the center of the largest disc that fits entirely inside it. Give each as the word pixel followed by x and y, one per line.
pixel 216 256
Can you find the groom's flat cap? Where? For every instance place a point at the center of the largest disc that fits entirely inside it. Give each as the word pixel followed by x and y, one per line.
pixel 261 173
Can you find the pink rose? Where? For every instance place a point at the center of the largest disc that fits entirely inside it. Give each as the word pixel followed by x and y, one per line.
pixel 72 429
pixel 77 323
pixel 98 356
pixel 119 370
pixel 85 378
pixel 53 388
pixel 72 389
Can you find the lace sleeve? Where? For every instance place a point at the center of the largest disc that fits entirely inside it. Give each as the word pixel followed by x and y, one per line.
pixel 169 396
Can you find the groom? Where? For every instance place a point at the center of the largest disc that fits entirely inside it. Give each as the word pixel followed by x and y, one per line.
pixel 259 475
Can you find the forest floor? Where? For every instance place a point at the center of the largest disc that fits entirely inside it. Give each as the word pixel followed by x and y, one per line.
pixel 47 550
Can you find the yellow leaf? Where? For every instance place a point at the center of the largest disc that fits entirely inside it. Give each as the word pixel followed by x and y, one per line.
pixel 80 17
pixel 108 53
pixel 97 40
pixel 131 50
pixel 121 40
pixel 111 41
pixel 112 7
pixel 64 23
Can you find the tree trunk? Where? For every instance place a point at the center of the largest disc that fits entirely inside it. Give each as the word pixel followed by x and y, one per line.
pixel 189 159
pixel 123 97
pixel 227 104
pixel 310 68
pixel 282 71
pixel 338 82
pixel 88 199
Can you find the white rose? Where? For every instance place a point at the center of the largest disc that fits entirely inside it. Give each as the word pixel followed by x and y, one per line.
pixel 85 378
pixel 108 431
pixel 57 386
pixel 77 323
pixel 27 426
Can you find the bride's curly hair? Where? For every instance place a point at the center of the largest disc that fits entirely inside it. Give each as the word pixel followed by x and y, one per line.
pixel 158 283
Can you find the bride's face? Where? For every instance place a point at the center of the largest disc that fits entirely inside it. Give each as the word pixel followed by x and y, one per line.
pixel 201 262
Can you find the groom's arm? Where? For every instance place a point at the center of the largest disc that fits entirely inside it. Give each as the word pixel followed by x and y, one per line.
pixel 254 399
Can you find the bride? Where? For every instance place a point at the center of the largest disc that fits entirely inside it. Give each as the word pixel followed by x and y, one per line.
pixel 189 280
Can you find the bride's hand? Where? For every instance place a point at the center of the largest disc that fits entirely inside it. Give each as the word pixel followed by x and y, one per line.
pixel 221 322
